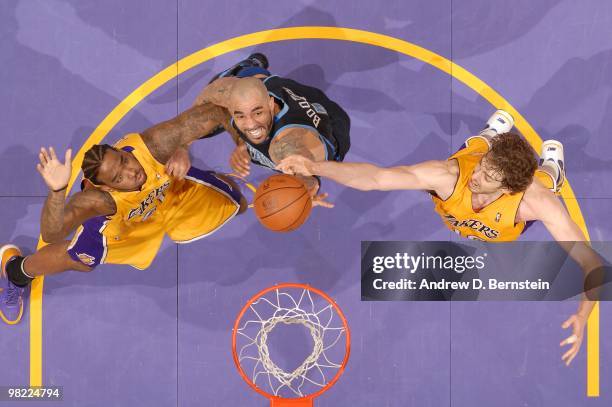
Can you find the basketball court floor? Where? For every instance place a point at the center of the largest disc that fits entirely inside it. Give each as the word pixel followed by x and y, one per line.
pixel 162 337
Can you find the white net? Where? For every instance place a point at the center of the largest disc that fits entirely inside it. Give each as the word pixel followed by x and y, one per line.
pixel 291 307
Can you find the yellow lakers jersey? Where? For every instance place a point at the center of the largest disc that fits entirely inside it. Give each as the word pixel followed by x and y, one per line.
pixel 185 210
pixel 494 222
pixel 136 207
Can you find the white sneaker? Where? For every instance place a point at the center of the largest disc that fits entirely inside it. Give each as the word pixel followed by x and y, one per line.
pixel 500 122
pixel 552 160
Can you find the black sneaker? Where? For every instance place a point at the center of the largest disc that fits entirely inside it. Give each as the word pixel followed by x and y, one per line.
pixel 254 60
pixel 260 60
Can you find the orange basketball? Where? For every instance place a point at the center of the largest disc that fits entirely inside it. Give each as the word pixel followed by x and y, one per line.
pixel 282 203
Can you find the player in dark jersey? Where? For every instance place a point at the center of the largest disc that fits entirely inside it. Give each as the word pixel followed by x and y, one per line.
pixel 274 117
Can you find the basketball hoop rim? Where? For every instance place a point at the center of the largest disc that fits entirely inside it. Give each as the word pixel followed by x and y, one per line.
pixel 260 294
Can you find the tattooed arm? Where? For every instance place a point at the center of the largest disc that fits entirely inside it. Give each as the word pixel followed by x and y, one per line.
pixel 163 139
pixel 217 93
pixel 59 219
pixel 299 141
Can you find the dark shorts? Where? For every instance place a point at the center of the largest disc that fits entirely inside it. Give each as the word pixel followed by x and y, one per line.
pixel 341 128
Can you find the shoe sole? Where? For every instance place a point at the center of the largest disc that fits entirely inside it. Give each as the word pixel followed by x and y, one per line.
pixel 261 58
pixel 11 321
pixel 507 116
pixel 3 250
pixel 3 317
pixel 560 154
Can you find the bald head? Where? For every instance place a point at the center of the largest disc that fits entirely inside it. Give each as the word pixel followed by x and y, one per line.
pixel 248 90
pixel 252 109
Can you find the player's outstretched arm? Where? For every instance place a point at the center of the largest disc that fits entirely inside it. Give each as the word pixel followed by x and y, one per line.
pixel 58 218
pixel 304 143
pixel 428 175
pixel 164 138
pixel 541 204
pixel 217 92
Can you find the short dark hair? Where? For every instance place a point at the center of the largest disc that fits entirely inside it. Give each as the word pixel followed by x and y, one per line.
pixel 92 161
pixel 515 159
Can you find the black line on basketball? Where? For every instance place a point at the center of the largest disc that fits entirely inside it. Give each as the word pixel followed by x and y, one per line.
pixel 284 207
pixel 277 189
pixel 287 229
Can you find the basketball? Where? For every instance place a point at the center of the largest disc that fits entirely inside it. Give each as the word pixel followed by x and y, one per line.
pixel 282 203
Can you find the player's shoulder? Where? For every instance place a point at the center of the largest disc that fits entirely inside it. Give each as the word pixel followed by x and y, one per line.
pixel 128 139
pixel 450 166
pixel 537 192
pixel 439 176
pixel 440 167
pixel 537 202
pixel 224 82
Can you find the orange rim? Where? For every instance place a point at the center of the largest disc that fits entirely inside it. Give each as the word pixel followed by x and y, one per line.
pixel 298 401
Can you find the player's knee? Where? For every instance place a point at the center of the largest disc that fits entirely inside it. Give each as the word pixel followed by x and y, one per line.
pixel 78 261
pixel 78 265
pixel 81 267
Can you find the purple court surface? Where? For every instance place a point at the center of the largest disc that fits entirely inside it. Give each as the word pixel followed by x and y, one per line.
pixel 162 337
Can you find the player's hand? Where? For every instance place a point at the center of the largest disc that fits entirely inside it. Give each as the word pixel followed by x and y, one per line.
pixel 55 174
pixel 240 160
pixel 320 200
pixel 178 165
pixel 296 165
pixel 577 323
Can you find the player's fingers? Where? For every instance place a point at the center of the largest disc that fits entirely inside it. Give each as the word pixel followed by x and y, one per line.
pixel 239 170
pixel 240 152
pixel 182 172
pixel 243 170
pixel 177 171
pixel 243 156
pixel 319 200
pixel 46 154
pixel 170 168
pixel 568 340
pixel 572 356
pixel 285 168
pixel 68 157
pixel 241 166
pixel 234 163
pixel 40 169
pixel 52 153
pixel 43 156
pixel 298 163
pixel 569 352
pixel 324 204
pixel 568 322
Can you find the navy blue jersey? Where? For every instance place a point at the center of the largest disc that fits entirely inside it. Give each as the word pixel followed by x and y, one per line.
pixel 306 107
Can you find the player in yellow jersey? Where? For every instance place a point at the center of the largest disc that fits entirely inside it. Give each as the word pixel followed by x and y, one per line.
pixel 485 191
pixel 133 194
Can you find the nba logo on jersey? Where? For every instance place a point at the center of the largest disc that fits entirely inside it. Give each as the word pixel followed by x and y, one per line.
pixel 497 217
pixel 86 259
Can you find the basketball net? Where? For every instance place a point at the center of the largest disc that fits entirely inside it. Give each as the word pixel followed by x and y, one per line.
pixel 291 304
